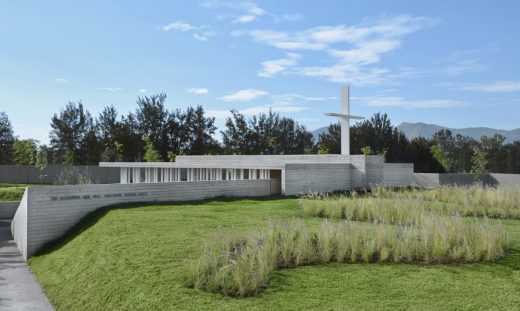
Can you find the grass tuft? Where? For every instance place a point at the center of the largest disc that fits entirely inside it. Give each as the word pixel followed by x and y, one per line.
pixel 242 267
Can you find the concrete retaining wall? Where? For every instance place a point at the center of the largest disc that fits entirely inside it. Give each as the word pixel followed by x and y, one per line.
pixel 8 209
pixel 374 170
pixel 505 179
pixel 302 178
pixel 19 225
pixel 46 213
pixel 398 174
pixel 358 177
pixel 26 174
pixel 461 179
pixel 425 180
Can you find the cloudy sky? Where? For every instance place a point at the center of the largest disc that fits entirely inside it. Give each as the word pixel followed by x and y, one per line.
pixel 453 63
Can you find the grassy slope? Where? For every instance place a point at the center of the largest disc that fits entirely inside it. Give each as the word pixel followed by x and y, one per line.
pixel 136 259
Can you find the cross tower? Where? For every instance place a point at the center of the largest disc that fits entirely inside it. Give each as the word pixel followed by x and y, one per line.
pixel 345 118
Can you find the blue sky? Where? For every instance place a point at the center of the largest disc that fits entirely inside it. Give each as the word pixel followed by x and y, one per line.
pixel 453 63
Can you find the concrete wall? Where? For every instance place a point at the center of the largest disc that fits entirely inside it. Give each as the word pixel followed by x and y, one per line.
pixel 358 177
pixel 259 161
pixel 461 179
pixel 8 209
pixel 425 180
pixel 374 170
pixel 505 179
pixel 302 178
pixel 398 174
pixel 26 174
pixel 46 213
pixel 19 225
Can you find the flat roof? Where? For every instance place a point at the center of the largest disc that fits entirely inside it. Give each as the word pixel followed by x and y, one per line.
pixel 276 162
pixel 191 165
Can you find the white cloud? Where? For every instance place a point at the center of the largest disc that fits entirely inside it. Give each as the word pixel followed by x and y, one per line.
pixel 142 90
pixel 202 32
pixel 355 64
pixel 383 101
pixel 197 90
pixel 199 37
pixel 463 67
pixel 319 38
pixel 222 114
pixel 204 36
pixel 243 95
pixel 244 19
pixel 178 25
pixel 290 17
pixel 246 12
pixel 292 96
pixel 273 67
pixel 110 89
pixel 495 87
pixel 60 80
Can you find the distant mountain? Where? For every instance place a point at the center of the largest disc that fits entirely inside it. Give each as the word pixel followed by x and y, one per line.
pixel 412 130
pixel 316 133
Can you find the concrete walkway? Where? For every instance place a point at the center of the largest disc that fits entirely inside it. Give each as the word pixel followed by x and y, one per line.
pixel 18 288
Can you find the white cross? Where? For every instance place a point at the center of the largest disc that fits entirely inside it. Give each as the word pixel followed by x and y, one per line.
pixel 345 120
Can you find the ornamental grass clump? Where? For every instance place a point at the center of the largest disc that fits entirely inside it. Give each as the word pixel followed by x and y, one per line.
pixel 242 266
pixel 389 206
pixel 375 210
pixel 476 200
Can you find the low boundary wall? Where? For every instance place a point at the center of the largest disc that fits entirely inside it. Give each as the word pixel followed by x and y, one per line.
pixel 302 178
pixel 27 174
pixel 46 213
pixel 8 209
pixel 462 179
pixel 398 174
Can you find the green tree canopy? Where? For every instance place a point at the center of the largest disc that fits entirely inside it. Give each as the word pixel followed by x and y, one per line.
pixel 25 151
pixel 265 133
pixel 6 139
pixel 73 136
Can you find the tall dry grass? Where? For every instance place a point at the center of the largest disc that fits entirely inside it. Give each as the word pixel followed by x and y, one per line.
pixel 475 200
pixel 242 266
pixel 389 206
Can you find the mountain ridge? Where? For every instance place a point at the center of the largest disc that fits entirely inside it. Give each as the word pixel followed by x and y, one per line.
pixel 426 130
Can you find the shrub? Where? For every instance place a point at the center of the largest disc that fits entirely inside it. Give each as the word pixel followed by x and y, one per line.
pixel 71 175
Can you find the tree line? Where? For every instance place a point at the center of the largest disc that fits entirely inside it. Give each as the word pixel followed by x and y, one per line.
pixel 155 133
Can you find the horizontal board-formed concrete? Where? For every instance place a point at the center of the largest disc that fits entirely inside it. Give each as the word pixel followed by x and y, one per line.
pixel 268 161
pixel 374 167
pixel 303 178
pixel 19 225
pixel 8 209
pixel 46 213
pixel 398 174
pixel 463 179
pixel 425 180
pixel 505 179
pixel 27 174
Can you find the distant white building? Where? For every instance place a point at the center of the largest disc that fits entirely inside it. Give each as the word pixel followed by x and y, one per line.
pixel 289 174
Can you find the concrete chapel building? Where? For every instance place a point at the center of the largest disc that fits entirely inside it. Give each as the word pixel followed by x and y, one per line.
pixel 46 213
pixel 288 174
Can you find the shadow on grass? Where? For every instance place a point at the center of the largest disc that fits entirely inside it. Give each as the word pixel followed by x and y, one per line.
pixel 93 217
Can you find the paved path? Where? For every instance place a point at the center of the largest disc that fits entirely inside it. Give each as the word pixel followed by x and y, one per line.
pixel 19 290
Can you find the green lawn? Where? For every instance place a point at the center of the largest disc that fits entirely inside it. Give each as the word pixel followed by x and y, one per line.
pixel 11 192
pixel 136 259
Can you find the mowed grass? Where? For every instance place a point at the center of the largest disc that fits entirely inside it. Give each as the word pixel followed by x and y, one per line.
pixel 11 192
pixel 138 259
